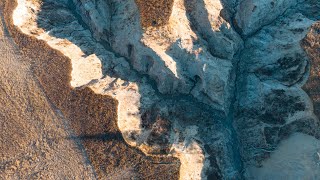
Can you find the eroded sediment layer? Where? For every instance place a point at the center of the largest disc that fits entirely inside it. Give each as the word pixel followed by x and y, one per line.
pixel 128 92
pixel 92 117
pixel 193 82
pixel 273 67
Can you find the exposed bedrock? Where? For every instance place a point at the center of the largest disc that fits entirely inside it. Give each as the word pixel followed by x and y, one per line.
pixel 178 59
pixel 174 49
pixel 253 14
pixel 273 67
pixel 217 84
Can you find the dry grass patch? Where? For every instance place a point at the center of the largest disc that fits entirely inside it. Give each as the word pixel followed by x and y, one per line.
pixel 154 12
pixel 311 44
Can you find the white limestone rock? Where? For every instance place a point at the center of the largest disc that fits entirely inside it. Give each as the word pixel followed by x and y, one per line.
pixel 252 15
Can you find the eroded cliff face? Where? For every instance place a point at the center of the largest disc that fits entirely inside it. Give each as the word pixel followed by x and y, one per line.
pixel 215 83
pixel 271 106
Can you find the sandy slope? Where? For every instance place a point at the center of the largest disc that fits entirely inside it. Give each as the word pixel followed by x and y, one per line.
pixel 33 137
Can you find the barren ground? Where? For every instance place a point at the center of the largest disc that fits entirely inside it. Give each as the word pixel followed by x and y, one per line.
pixel 33 135
pixel 51 131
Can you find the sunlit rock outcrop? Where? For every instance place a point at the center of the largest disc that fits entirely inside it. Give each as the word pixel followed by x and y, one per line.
pixel 217 84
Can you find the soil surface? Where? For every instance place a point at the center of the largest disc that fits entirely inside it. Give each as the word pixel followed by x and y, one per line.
pixel 34 139
pixel 311 44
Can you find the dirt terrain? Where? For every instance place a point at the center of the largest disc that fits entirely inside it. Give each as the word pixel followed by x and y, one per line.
pixel 51 131
pixel 154 12
pixel 311 44
pixel 34 136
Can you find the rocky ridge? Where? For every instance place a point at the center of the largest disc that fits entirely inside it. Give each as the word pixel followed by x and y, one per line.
pixel 215 83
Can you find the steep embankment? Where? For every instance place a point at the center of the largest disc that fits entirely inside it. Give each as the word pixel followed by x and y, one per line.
pixel 92 117
pixel 142 108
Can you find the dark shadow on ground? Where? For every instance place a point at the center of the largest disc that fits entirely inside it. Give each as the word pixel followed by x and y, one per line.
pixel 94 116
